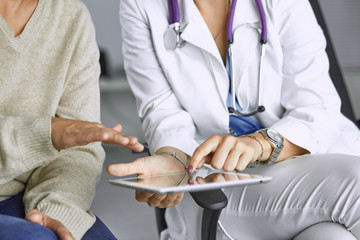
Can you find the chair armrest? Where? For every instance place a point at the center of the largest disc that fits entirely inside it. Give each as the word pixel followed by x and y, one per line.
pixel 212 200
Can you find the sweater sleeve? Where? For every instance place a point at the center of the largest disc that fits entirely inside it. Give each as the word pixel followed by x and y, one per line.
pixel 25 144
pixel 64 187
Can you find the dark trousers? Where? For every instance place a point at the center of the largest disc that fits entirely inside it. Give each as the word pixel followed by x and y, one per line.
pixel 13 226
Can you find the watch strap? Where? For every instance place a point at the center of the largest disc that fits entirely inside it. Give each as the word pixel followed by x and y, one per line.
pixel 276 145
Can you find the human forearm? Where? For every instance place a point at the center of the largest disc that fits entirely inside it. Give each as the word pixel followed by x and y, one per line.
pixel 291 150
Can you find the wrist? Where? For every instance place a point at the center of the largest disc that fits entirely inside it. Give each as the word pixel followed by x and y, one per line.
pixel 266 145
pixel 175 156
pixel 261 154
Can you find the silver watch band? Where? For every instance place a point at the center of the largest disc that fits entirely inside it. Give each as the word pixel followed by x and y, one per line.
pixel 276 141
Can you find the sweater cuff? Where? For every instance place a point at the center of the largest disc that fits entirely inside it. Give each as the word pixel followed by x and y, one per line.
pixel 76 220
pixel 34 137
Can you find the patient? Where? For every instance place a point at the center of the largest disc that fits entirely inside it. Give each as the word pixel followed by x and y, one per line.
pixel 198 103
pixel 50 155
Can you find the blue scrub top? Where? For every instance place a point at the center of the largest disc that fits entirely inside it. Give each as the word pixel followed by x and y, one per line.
pixel 239 125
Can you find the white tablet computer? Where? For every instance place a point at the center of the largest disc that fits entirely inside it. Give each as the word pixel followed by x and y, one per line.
pixel 200 180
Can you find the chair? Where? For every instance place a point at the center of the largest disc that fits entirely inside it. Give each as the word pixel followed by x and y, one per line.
pixel 335 71
pixel 214 201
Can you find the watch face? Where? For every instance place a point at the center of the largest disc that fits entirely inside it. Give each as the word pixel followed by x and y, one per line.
pixel 274 135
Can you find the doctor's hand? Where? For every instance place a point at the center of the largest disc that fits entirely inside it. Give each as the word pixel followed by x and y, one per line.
pixel 66 133
pixel 228 153
pixel 157 164
pixel 57 227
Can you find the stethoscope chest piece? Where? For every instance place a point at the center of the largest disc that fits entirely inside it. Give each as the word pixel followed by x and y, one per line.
pixel 172 38
pixel 170 41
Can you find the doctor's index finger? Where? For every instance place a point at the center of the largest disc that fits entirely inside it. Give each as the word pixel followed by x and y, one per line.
pixel 201 155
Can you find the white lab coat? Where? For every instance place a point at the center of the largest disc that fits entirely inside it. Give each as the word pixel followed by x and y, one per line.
pixel 181 95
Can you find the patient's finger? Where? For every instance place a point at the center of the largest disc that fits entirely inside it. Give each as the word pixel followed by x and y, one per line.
pixel 155 200
pixel 142 196
pixel 36 216
pixel 117 127
pixel 112 136
pixel 171 200
pixel 124 169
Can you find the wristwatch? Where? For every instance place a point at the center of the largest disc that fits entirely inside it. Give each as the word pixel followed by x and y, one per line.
pixel 277 142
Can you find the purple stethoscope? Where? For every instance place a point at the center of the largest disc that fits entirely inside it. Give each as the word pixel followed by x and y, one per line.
pixel 177 42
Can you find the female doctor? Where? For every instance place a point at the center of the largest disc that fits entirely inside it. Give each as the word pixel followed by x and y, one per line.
pixel 243 85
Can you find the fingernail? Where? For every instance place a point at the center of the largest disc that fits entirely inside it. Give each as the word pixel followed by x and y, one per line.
pixel 191 182
pixel 190 168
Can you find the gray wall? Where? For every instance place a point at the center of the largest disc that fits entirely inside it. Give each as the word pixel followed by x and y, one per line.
pixel 105 14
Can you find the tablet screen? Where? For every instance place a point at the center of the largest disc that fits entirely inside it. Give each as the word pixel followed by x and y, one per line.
pixel 200 180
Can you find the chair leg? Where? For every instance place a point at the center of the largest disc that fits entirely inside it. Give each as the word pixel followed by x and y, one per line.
pixel 209 224
pixel 160 219
pixel 213 202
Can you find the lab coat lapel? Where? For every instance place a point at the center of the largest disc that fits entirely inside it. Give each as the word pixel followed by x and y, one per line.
pixel 196 31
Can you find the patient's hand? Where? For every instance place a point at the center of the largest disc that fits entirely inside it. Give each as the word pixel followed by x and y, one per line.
pixel 158 200
pixel 66 133
pixel 61 231
pixel 151 165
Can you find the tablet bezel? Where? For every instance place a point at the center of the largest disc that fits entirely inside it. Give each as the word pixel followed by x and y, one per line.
pixel 128 182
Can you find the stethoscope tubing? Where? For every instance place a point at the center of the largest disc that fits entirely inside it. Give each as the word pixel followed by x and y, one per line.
pixel 230 35
pixel 264 33
pixel 174 11
pixel 174 15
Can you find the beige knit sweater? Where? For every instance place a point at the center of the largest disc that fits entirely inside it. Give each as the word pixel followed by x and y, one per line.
pixel 51 69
